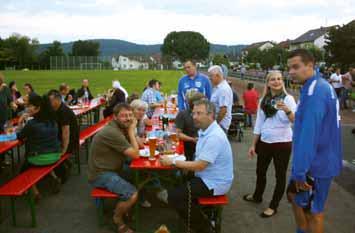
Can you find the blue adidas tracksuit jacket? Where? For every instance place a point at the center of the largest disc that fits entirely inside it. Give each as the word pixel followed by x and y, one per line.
pixel 200 83
pixel 317 148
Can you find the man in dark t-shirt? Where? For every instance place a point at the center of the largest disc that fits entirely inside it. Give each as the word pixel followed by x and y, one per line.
pixel 185 128
pixel 67 123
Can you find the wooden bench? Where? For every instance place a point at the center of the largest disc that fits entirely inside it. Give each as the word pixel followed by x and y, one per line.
pixel 22 183
pixel 215 207
pixel 99 196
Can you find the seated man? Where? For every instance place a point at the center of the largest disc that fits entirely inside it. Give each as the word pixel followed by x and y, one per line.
pixel 84 91
pixel 110 148
pixel 68 96
pixel 213 167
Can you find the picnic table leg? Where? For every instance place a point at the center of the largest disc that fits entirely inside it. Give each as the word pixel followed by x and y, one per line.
pixel 13 211
pixel 219 210
pixel 100 210
pixel 31 203
pixel 11 153
pixel 136 207
pixel 18 154
pixel 77 157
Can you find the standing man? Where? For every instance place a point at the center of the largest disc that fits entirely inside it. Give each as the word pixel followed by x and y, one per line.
pixel 192 81
pixel 110 148
pixel 213 168
pixel 222 97
pixel 317 148
pixel 149 96
pixel 68 132
pixel 5 102
pixel 347 81
pixel 251 98
pixel 335 80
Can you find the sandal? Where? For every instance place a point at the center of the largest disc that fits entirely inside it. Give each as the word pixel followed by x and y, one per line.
pixel 124 229
pixel 264 215
pixel 250 198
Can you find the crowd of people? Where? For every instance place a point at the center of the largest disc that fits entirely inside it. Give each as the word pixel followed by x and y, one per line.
pixel 205 104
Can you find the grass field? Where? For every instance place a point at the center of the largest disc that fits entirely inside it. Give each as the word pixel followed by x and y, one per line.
pixel 100 81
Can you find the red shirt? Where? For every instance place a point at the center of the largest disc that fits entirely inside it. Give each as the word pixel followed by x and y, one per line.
pixel 250 98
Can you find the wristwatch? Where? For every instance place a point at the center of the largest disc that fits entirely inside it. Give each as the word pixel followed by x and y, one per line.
pixel 288 113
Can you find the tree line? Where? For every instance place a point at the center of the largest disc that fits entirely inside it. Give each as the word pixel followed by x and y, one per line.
pixel 19 51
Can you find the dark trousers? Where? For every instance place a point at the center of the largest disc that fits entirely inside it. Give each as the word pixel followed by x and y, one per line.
pixel 280 154
pixel 178 199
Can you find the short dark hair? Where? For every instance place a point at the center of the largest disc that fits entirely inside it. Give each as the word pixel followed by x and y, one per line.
pixel 29 85
pixel 306 56
pixel 152 82
pixel 193 62
pixel 11 84
pixel 119 107
pixel 250 86
pixel 210 107
pixel 55 93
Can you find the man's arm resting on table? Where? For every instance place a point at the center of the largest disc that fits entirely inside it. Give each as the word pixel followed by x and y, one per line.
pixel 196 166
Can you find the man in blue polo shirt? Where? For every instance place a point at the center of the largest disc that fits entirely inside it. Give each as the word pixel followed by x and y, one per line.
pixel 317 149
pixel 192 81
pixel 213 167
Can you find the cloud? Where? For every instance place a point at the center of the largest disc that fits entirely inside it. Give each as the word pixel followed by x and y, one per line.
pixel 227 22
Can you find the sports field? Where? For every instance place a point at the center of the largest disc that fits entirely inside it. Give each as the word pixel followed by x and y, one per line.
pixel 100 81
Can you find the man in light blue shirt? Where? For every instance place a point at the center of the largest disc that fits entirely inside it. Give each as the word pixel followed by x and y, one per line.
pixel 213 167
pixel 192 81
pixel 222 97
pixel 149 96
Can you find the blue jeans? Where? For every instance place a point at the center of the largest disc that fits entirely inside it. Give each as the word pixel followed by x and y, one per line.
pixel 114 183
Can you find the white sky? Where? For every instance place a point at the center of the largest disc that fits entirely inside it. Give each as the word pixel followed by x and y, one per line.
pixel 147 21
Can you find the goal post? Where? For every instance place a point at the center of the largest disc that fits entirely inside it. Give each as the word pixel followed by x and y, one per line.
pixel 91 66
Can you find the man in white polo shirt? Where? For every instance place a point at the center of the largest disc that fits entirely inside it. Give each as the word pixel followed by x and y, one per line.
pixel 222 97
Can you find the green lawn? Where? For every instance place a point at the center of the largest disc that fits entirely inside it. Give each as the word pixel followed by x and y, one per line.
pixel 100 81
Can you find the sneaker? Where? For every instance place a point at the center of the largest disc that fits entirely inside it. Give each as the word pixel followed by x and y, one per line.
pixel 163 196
pixel 146 204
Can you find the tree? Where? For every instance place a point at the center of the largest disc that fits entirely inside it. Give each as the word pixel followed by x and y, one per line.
pixel 340 47
pixel 53 50
pixel 185 45
pixel 18 50
pixel 269 57
pixel 317 53
pixel 85 48
pixel 219 59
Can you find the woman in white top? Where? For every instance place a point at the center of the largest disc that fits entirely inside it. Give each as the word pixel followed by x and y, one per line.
pixel 272 139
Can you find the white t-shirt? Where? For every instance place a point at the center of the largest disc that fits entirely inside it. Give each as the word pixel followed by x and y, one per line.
pixel 277 128
pixel 335 77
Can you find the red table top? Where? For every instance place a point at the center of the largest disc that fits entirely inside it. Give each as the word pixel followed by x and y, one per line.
pixel 6 146
pixel 95 103
pixel 146 164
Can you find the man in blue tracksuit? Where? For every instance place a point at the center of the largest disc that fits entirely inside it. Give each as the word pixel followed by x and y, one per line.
pixel 317 149
pixel 193 81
